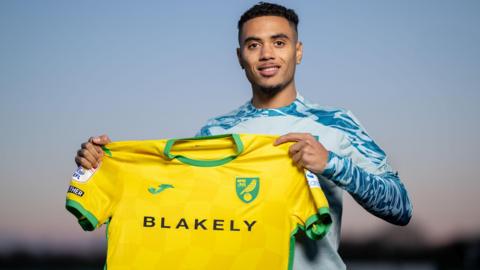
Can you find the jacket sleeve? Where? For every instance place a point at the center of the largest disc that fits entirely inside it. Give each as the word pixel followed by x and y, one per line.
pixel 362 170
pixel 383 194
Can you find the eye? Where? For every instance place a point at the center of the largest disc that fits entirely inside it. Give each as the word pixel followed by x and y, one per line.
pixel 279 43
pixel 253 45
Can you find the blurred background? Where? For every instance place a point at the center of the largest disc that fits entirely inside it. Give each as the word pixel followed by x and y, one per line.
pixel 409 70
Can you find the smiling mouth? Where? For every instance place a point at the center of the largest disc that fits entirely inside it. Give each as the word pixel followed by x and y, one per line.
pixel 268 71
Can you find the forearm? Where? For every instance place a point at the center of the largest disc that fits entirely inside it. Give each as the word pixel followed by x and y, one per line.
pixel 383 195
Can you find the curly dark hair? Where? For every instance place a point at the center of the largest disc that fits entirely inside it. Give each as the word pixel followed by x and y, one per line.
pixel 268 9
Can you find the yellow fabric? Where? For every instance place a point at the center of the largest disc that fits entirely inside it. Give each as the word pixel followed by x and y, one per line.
pixel 250 207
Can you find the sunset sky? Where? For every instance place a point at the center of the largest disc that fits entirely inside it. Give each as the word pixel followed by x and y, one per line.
pixel 409 70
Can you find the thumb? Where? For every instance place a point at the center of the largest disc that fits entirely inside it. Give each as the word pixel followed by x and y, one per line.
pixel 101 140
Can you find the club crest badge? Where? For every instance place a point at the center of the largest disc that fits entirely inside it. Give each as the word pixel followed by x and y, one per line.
pixel 247 188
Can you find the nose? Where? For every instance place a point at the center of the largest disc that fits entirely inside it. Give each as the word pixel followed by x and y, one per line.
pixel 267 53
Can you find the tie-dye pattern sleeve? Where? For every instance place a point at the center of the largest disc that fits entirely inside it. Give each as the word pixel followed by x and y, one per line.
pixel 379 189
pixel 383 195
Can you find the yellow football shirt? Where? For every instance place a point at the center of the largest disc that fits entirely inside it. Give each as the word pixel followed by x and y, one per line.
pixel 220 202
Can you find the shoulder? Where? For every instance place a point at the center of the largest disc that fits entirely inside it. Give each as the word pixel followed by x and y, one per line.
pixel 335 117
pixel 353 131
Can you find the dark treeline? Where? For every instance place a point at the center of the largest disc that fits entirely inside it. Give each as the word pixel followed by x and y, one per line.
pixel 461 254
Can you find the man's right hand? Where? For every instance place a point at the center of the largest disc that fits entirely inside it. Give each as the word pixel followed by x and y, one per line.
pixel 90 154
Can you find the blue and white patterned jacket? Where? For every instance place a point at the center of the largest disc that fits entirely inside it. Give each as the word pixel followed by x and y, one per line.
pixel 355 164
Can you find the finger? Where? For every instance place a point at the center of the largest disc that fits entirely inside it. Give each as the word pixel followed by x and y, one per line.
pixel 94 150
pixel 296 148
pixel 297 159
pixel 291 137
pixel 83 162
pixel 98 148
pixel 99 151
pixel 90 147
pixel 83 153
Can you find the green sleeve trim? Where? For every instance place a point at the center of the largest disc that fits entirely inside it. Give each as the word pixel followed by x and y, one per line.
pixel 106 237
pixel 87 220
pixel 107 151
pixel 204 163
pixel 291 253
pixel 316 226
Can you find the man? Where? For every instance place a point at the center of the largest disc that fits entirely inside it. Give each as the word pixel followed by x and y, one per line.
pixel 329 142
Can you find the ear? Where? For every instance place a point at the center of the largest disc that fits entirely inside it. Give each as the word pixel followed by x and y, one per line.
pixel 299 52
pixel 239 57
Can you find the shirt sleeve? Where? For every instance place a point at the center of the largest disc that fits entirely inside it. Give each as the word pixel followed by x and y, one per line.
pixel 365 173
pixel 310 207
pixel 92 195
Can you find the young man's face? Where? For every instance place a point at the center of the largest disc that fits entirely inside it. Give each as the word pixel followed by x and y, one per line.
pixel 269 52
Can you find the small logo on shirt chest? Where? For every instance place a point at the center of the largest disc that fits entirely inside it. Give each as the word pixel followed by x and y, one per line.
pixel 162 187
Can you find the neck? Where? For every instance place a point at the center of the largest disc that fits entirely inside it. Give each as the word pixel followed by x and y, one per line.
pixel 283 98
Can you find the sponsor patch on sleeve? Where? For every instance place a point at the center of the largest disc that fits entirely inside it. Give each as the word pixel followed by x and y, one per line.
pixel 82 175
pixel 76 191
pixel 312 179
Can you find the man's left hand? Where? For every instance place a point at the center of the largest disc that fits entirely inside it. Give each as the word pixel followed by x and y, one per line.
pixel 307 152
